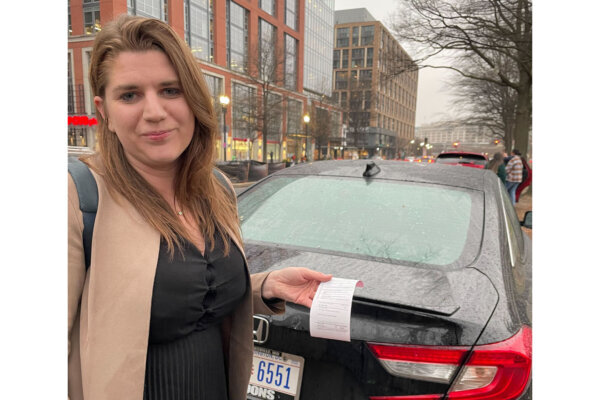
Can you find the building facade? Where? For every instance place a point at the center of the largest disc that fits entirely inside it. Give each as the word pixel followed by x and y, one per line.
pixel 252 51
pixel 375 83
pixel 446 136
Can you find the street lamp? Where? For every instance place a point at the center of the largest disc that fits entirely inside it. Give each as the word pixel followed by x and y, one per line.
pixel 224 100
pixel 306 121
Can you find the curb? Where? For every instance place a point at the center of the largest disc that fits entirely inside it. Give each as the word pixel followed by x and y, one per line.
pixel 242 185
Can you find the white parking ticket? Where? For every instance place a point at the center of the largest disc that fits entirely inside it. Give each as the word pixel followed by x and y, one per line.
pixel 331 309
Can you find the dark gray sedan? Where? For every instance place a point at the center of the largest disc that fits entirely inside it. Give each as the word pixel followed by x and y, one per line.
pixel 445 311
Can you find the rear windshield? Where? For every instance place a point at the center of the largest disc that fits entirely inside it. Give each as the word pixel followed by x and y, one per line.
pixel 397 221
pixel 458 159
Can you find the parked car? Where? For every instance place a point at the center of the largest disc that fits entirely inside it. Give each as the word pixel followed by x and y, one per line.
pixel 443 311
pixel 466 159
pixel 425 159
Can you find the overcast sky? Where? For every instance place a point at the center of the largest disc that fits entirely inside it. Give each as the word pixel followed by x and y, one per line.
pixel 431 99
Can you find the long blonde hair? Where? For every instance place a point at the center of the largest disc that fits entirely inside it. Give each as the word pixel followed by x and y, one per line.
pixel 196 188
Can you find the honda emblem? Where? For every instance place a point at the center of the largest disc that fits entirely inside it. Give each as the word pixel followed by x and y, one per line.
pixel 261 332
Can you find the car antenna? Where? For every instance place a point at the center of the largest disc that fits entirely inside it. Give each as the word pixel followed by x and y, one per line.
pixel 371 170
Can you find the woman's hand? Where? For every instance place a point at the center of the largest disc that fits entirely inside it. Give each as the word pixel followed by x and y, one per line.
pixel 294 284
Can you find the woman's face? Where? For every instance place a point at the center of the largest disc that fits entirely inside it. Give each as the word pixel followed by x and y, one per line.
pixel 145 107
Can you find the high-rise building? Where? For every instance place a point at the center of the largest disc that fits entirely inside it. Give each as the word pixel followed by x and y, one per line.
pixel 250 51
pixel 318 55
pixel 379 101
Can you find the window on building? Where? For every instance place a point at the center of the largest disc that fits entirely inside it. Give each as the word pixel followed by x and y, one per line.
pixel 356 100
pixel 343 39
pixel 366 76
pixel 336 59
pixel 369 57
pixel 355 35
pixel 268 6
pixel 244 106
pixel 215 87
pixel 367 34
pixel 341 80
pixel 268 53
pixel 237 36
pixel 91 17
pixel 345 55
pixel 367 99
pixel 358 58
pixel 89 95
pixel 70 87
pixel 344 99
pixel 291 63
pixel 274 103
pixel 294 116
pixel 353 79
pixel 335 98
pixel 147 8
pixel 69 16
pixel 198 26
pixel 291 13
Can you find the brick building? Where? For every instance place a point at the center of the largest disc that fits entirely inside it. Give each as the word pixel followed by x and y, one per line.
pixel 379 103
pixel 251 51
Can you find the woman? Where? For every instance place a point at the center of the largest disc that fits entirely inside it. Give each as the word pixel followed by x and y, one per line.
pixel 497 165
pixel 165 309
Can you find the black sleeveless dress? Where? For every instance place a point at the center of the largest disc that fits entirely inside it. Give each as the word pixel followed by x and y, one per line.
pixel 191 296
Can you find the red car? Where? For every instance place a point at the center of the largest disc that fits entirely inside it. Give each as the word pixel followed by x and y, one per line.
pixel 466 159
pixel 526 182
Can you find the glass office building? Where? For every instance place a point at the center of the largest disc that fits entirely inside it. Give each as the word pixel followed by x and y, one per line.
pixel 318 45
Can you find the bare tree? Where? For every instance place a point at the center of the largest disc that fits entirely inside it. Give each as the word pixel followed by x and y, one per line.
pixel 245 115
pixel 359 116
pixel 321 128
pixel 488 31
pixel 483 103
pixel 265 70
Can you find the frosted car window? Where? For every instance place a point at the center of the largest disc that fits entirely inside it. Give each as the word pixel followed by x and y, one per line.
pixel 424 224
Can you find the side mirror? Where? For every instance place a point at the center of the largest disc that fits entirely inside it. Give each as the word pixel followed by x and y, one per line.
pixel 527 220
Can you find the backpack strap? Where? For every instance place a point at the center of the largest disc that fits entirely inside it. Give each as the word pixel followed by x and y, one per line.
pixel 221 177
pixel 87 190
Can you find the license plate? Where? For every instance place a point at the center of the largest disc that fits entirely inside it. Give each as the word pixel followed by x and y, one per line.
pixel 275 375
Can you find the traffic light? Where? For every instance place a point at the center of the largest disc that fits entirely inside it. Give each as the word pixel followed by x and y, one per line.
pixel 455 144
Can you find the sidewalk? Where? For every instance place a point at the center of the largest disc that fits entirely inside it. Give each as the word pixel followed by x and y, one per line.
pixel 524 204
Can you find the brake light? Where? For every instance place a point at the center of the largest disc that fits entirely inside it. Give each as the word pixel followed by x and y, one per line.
pixel 493 371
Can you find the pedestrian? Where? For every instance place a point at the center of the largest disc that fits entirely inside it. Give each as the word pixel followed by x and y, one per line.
pixel 165 308
pixel 514 174
pixel 497 166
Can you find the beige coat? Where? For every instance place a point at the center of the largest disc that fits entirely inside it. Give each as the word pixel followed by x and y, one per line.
pixel 109 306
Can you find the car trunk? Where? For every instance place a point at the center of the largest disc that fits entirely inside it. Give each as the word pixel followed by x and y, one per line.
pixel 398 305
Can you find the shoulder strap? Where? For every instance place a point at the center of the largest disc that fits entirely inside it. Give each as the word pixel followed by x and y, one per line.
pixel 87 190
pixel 221 177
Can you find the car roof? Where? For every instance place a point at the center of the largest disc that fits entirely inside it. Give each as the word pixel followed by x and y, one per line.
pixel 471 178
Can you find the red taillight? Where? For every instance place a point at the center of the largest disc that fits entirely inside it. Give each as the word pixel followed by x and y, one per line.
pixel 512 358
pixel 493 371
pixel 417 397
